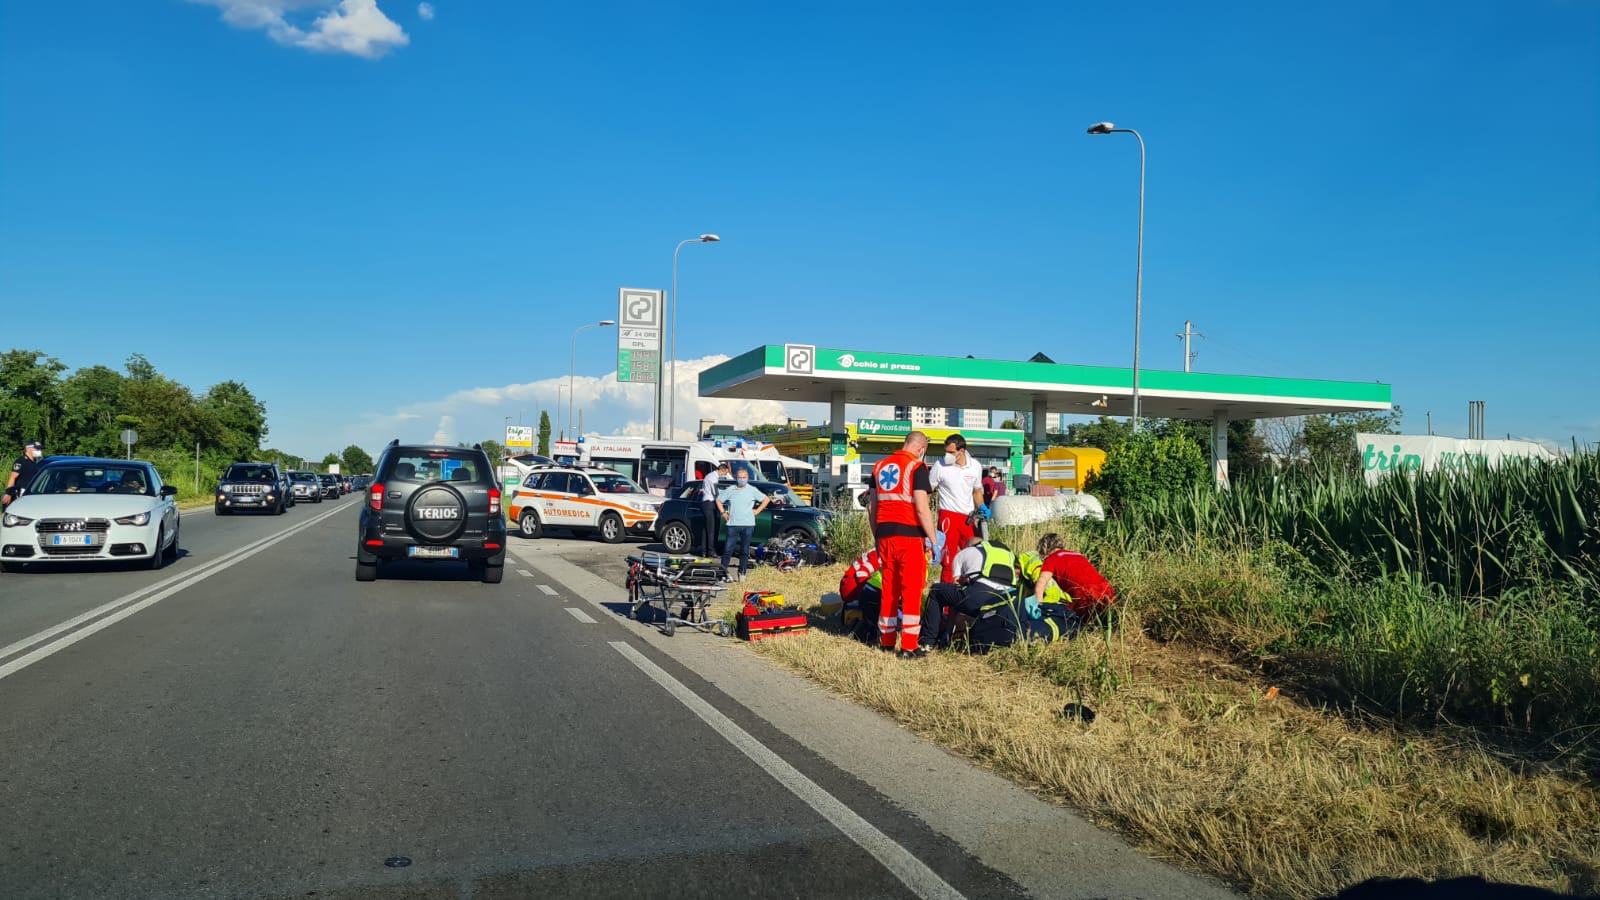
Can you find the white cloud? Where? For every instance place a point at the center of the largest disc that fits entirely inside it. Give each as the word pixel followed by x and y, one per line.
pixel 425 10
pixel 605 406
pixel 357 27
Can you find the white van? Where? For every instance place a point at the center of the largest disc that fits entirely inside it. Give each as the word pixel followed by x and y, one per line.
pixel 662 465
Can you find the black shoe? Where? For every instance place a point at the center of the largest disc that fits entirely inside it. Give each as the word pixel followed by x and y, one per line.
pixel 919 653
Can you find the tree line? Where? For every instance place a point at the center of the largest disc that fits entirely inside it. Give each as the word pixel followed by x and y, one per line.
pixel 86 411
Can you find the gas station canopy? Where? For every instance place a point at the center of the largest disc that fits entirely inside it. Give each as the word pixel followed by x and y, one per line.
pixel 811 374
pixel 805 373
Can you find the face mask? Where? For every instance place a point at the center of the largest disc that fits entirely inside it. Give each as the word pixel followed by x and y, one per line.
pixel 949 459
pixel 743 481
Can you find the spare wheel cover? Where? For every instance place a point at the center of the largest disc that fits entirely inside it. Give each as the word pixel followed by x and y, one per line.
pixel 437 513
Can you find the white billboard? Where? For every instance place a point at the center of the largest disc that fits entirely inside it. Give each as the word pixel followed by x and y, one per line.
pixel 1385 453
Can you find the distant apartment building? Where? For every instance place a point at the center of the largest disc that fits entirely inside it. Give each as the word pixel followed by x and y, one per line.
pixel 942 417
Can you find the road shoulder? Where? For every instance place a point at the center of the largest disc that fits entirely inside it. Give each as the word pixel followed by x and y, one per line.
pixel 1048 850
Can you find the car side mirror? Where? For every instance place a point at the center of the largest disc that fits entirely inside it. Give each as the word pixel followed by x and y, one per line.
pixel 168 490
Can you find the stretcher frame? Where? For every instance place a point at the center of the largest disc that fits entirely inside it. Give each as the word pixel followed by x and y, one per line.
pixel 689 582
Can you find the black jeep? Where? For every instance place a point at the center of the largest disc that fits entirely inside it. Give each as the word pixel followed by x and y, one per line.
pixel 255 486
pixel 431 502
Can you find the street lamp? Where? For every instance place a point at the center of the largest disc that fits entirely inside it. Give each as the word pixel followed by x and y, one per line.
pixel 1138 276
pixel 573 370
pixel 559 389
pixel 672 396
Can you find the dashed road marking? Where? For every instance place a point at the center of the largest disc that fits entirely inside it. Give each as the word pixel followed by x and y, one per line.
pixel 524 573
pixel 550 591
pixel 581 616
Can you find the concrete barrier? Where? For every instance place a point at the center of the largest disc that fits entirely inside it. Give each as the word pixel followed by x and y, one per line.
pixel 1017 509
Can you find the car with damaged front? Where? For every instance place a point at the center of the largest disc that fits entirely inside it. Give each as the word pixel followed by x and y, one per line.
pixel 83 509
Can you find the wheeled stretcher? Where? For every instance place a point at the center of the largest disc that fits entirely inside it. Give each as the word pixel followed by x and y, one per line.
pixel 687 583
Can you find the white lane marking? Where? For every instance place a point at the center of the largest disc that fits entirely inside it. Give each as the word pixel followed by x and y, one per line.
pixel 912 872
pixel 550 591
pixel 166 588
pixel 524 573
pixel 102 609
pixel 580 615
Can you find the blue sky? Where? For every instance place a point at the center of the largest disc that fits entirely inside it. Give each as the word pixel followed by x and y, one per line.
pixel 1399 192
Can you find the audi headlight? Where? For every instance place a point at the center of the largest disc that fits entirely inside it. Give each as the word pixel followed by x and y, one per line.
pixel 140 519
pixel 12 521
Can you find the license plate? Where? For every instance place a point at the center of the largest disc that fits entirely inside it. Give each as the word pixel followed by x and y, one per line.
pixel 434 552
pixel 72 540
pixel 438 512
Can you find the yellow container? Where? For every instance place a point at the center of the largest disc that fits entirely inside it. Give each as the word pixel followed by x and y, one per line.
pixel 1068 468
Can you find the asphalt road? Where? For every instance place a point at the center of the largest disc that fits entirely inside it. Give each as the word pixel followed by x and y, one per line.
pixel 251 722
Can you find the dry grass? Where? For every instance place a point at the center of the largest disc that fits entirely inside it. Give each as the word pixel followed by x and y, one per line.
pixel 1190 758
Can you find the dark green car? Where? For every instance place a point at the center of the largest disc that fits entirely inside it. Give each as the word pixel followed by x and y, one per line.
pixel 680 521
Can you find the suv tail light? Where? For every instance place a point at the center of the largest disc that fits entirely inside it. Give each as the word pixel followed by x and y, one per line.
pixel 494 501
pixel 375 498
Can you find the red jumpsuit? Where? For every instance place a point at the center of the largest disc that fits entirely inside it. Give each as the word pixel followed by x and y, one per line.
pixel 898 529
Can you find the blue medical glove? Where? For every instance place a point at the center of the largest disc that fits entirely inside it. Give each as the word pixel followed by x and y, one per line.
pixel 1031 604
pixel 984 509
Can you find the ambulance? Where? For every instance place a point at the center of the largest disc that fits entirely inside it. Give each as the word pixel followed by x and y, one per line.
pixel 586 499
pixel 661 466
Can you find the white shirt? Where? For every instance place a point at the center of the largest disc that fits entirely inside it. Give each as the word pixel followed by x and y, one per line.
pixel 955 485
pixel 968 562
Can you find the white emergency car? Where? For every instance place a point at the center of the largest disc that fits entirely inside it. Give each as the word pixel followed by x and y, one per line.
pixel 588 499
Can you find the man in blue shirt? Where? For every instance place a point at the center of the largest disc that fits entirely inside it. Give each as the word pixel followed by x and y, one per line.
pixel 740 506
pixel 710 486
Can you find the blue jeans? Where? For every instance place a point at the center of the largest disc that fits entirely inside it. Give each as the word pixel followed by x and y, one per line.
pixel 738 536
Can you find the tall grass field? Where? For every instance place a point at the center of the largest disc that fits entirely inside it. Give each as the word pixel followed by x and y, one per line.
pixel 1306 681
pixel 1472 596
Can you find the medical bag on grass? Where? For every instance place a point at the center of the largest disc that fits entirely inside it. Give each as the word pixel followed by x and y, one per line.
pixel 769 623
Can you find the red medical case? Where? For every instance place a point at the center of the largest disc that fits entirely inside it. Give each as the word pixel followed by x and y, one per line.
pixel 770 623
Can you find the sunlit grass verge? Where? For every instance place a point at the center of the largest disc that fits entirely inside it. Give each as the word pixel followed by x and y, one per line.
pixel 1198 760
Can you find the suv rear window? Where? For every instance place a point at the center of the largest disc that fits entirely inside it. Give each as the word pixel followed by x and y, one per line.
pixel 436 465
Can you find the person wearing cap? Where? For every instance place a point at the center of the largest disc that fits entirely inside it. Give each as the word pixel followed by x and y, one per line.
pixel 22 471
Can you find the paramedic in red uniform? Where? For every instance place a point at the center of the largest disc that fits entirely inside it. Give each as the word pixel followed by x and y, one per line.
pixel 902 522
pixel 1089 593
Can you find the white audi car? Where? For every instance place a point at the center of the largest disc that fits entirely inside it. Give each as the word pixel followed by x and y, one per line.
pixel 79 509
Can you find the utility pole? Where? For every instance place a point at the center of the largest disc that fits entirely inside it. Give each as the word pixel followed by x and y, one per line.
pixel 1188 355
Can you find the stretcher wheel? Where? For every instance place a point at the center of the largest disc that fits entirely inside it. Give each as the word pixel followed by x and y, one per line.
pixel 668 628
pixel 724 629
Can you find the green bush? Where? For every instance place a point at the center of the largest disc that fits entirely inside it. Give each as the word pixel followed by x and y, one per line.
pixel 1145 466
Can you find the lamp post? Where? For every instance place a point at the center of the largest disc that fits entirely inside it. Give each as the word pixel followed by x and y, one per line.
pixel 672 394
pixel 563 431
pixel 574 368
pixel 1138 272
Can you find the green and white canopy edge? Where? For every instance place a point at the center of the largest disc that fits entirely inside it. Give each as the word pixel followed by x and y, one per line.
pixel 807 373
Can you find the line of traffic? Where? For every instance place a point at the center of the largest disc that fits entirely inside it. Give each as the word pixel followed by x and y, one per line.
pixel 108 614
